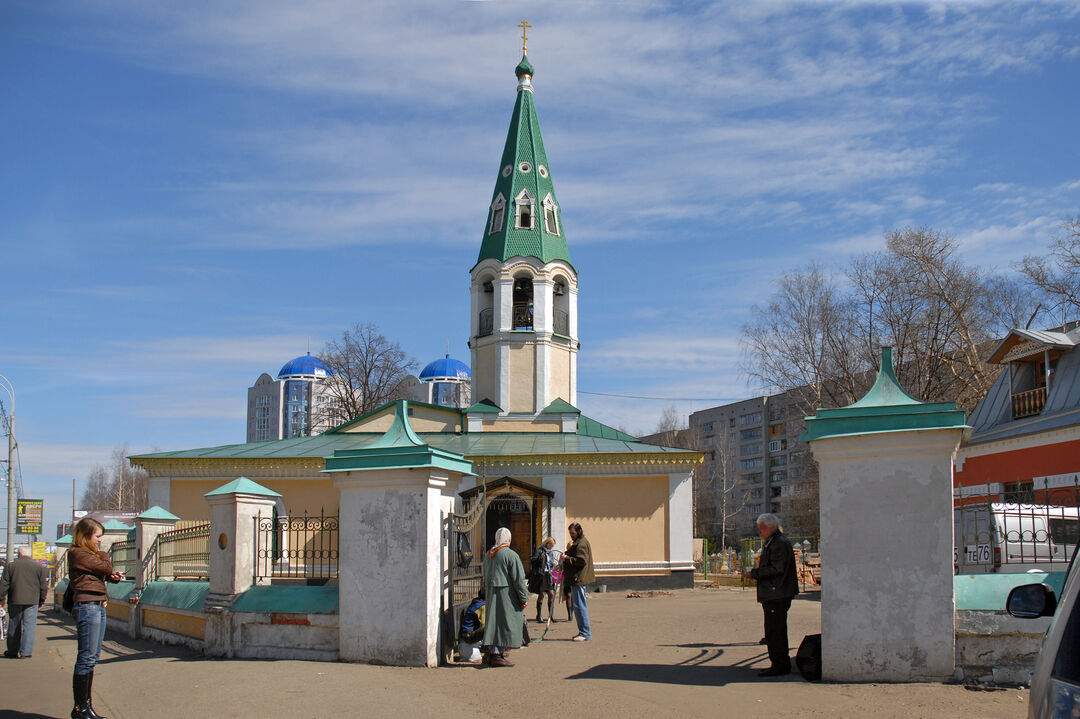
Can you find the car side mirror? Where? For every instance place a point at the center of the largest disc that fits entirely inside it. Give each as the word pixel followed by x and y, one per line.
pixel 1030 601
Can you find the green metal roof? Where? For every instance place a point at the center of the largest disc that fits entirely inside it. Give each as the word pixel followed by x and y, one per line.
pixel 156 512
pixel 66 539
pixel 885 408
pixel 559 406
pixel 484 405
pixel 115 525
pixel 398 448
pixel 242 485
pixel 380 408
pixel 520 169
pixel 478 444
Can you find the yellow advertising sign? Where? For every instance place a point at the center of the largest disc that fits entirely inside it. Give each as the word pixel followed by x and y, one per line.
pixel 28 516
pixel 39 551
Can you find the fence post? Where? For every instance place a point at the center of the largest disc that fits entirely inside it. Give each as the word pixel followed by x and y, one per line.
pixel 148 526
pixel 233 509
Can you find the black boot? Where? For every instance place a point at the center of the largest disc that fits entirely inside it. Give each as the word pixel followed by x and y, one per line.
pixel 90 699
pixel 538 617
pixel 80 688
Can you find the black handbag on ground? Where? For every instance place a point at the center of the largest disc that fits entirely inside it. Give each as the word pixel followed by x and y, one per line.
pixel 808 658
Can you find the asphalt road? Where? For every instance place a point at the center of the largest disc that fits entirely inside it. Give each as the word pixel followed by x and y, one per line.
pixel 692 653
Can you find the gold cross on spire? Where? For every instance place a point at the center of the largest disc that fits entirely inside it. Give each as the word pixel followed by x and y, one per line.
pixel 524 25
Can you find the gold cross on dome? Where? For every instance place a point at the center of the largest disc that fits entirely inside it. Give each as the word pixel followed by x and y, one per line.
pixel 524 25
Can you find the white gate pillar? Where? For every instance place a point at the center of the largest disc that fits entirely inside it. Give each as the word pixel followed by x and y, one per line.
pixel 392 551
pixel 885 483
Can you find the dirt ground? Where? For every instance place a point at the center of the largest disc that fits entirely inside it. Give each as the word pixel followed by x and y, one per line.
pixel 688 654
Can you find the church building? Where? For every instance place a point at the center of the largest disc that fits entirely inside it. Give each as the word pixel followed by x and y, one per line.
pixel 537 463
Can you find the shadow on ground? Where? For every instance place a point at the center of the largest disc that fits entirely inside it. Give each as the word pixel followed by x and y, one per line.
pixel 119 647
pixel 691 675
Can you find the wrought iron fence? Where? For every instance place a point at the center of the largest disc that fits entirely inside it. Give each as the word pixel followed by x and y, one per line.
pixel 296 546
pixel 183 553
pixel 994 534
pixel 807 557
pixel 122 556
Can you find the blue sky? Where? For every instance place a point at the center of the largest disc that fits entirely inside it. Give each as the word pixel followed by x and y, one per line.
pixel 194 190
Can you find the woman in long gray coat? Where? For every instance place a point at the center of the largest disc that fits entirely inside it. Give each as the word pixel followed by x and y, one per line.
pixel 507 597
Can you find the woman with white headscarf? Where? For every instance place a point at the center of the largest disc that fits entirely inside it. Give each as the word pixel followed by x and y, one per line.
pixel 507 597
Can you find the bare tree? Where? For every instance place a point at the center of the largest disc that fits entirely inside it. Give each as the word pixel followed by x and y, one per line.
pixel 369 371
pixel 117 485
pixel 1055 278
pixel 717 481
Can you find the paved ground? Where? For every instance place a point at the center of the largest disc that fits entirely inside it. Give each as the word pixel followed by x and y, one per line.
pixel 693 653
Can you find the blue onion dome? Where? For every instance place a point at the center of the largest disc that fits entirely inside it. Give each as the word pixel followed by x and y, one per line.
pixel 524 67
pixel 446 368
pixel 305 366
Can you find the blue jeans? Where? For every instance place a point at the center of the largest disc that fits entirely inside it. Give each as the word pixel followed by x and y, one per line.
pixel 581 610
pixel 22 621
pixel 90 628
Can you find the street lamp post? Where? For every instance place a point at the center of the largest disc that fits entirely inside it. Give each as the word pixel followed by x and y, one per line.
pixel 12 493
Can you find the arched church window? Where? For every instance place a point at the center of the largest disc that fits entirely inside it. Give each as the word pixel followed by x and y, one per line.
pixel 524 209
pixel 561 310
pixel 498 212
pixel 551 215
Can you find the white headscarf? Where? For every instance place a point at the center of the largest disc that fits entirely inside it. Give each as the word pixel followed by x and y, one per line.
pixel 502 539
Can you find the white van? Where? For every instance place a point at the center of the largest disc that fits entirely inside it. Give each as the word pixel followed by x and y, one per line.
pixel 1001 537
pixel 1055 683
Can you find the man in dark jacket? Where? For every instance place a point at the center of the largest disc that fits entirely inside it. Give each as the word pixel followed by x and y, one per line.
pixel 777 585
pixel 579 573
pixel 24 587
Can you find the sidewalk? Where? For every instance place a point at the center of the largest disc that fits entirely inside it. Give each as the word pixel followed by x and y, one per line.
pixel 693 653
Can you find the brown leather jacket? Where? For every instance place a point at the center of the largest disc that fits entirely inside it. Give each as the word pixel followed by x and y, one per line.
pixel 88 573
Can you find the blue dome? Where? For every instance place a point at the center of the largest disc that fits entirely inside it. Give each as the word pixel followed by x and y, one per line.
pixel 305 365
pixel 446 367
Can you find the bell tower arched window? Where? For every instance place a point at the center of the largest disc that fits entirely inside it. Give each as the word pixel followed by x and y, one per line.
pixel 498 213
pixel 523 303
pixel 551 215
pixel 523 206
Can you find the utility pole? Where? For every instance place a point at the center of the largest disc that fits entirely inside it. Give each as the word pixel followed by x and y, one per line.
pixel 12 492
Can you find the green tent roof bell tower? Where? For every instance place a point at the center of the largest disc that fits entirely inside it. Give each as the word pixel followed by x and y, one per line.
pixel 524 321
pixel 524 219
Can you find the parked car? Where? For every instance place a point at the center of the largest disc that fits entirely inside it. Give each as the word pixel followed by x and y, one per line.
pixel 1005 537
pixel 1055 683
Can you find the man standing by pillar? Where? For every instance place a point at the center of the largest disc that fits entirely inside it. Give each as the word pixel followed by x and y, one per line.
pixel 777 585
pixel 579 573
pixel 24 586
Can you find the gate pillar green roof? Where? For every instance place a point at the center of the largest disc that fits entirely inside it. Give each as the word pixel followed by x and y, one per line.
pixel 158 513
pixel 885 408
pixel 524 166
pixel 398 448
pixel 242 485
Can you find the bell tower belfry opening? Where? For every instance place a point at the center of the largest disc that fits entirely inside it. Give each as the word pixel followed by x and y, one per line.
pixel 523 324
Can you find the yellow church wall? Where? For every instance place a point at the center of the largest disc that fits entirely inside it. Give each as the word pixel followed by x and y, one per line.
pixel 560 373
pixel 503 425
pixel 522 379
pixel 624 518
pixel 484 374
pixel 184 624
pixel 186 498
pixel 422 419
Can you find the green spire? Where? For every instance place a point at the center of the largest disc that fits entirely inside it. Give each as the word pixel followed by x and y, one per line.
pixel 524 168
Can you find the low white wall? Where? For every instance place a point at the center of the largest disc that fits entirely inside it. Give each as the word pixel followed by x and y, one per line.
pixel 995 647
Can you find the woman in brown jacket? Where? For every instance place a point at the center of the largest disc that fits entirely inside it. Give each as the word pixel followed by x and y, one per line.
pixel 88 570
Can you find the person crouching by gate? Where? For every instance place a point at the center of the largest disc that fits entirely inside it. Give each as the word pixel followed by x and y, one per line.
pixel 579 573
pixel 88 570
pixel 777 585
pixel 541 581
pixel 507 598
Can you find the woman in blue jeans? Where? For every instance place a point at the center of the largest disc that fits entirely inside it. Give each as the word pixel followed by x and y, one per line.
pixel 88 570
